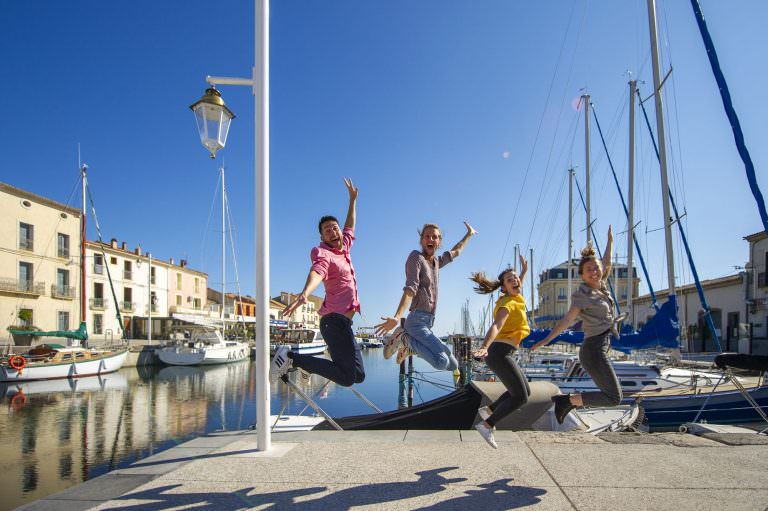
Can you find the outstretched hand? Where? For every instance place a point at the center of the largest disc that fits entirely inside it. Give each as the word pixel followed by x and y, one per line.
pixel 523 264
pixel 352 189
pixel 470 230
pixel 539 344
pixel 480 353
pixel 610 234
pixel 300 300
pixel 386 326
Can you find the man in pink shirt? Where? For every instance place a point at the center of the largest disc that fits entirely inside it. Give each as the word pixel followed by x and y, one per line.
pixel 331 265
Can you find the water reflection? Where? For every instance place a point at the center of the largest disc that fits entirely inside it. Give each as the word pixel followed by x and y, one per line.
pixel 56 434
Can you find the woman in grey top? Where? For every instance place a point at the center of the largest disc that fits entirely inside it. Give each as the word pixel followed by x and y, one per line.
pixel 592 303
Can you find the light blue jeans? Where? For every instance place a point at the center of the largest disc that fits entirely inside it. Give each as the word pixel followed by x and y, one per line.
pixel 418 326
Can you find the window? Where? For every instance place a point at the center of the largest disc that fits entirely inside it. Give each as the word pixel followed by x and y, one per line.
pixel 63 245
pixel 26 236
pixel 197 285
pixel 178 300
pixel 62 284
pixel 127 270
pixel 128 299
pixel 63 320
pixel 98 264
pixel 152 275
pixel 561 293
pixel 113 260
pixel 25 277
pixel 178 281
pixel 98 324
pixel 197 304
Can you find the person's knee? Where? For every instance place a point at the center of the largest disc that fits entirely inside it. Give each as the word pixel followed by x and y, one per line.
pixel 359 377
pixel 443 363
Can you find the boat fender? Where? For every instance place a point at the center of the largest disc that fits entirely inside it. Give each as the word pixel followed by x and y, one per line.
pixel 17 362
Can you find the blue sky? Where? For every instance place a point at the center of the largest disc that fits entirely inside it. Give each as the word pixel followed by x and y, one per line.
pixel 440 111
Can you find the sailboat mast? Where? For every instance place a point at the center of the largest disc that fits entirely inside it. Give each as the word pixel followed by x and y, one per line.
pixel 585 99
pixel 83 179
pixel 661 139
pixel 570 234
pixel 631 198
pixel 533 323
pixel 223 252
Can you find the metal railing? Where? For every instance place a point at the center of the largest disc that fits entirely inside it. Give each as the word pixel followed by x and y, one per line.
pixel 127 306
pixel 26 244
pixel 58 291
pixel 99 303
pixel 98 269
pixel 153 308
pixel 127 275
pixel 63 252
pixel 152 280
pixel 22 286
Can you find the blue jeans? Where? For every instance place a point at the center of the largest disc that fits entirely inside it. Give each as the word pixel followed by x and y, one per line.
pixel 418 326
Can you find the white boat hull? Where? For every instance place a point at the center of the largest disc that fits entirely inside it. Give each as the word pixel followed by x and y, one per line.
pixel 51 371
pixel 308 348
pixel 185 356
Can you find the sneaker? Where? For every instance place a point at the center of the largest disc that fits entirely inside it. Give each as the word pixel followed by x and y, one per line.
pixel 393 343
pixel 487 433
pixel 281 363
pixel 484 412
pixel 304 376
pixel 563 406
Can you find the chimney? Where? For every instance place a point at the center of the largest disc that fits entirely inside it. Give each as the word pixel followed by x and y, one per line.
pixel 137 251
pixel 113 243
pixel 170 260
pixel 124 246
pixel 183 263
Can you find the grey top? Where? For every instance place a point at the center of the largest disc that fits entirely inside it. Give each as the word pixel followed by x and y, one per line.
pixel 421 278
pixel 596 308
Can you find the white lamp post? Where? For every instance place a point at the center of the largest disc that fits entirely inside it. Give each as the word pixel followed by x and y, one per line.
pixel 213 119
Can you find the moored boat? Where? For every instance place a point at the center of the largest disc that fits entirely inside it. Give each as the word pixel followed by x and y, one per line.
pixel 307 341
pixel 206 346
pixel 53 361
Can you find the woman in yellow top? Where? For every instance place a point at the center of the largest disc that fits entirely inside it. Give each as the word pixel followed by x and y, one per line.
pixel 510 326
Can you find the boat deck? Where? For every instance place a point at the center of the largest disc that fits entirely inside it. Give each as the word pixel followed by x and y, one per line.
pixel 438 471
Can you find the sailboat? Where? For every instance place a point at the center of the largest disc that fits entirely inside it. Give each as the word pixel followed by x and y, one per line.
pixel 70 360
pixel 207 345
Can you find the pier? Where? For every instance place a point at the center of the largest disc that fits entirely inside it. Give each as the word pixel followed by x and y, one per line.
pixel 437 470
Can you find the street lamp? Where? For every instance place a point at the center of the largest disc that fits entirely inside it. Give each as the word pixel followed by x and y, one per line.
pixel 213 119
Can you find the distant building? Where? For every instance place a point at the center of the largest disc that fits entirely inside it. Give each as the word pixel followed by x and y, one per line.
pixel 306 315
pixel 39 262
pixel 755 306
pixel 553 290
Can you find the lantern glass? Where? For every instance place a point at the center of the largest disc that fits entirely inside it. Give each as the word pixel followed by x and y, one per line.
pixel 213 125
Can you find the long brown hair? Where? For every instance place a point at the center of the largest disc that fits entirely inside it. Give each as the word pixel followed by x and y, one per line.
pixel 588 254
pixel 485 286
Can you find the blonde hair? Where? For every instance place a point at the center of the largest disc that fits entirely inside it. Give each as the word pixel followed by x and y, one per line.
pixel 431 226
pixel 485 286
pixel 588 254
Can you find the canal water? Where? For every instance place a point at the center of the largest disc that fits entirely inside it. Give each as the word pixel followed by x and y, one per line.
pixel 57 434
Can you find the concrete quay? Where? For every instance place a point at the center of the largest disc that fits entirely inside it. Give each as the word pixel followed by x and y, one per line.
pixel 437 471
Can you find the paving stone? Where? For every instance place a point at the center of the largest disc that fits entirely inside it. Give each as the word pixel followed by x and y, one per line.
pixel 737 438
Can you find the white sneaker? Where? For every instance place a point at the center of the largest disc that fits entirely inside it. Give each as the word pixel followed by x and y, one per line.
pixel 393 343
pixel 487 433
pixel 280 363
pixel 484 412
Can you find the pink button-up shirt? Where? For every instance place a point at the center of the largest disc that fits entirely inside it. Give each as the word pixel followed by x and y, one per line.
pixel 335 266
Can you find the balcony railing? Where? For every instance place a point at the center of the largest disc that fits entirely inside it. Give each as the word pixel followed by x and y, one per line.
pixel 152 280
pixel 63 252
pixel 22 286
pixel 99 303
pixel 26 244
pixel 127 275
pixel 98 269
pixel 154 308
pixel 127 306
pixel 67 292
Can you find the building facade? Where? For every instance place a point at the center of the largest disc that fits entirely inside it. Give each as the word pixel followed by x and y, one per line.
pixel 755 308
pixel 39 262
pixel 304 316
pixel 553 290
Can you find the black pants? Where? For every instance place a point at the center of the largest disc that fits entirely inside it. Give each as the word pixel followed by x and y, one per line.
pixel 346 364
pixel 500 360
pixel 594 359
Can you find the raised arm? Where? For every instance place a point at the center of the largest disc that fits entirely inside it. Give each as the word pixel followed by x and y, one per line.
pixel 313 280
pixel 607 255
pixel 568 320
pixel 349 223
pixel 523 269
pixel 458 247
pixel 490 336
